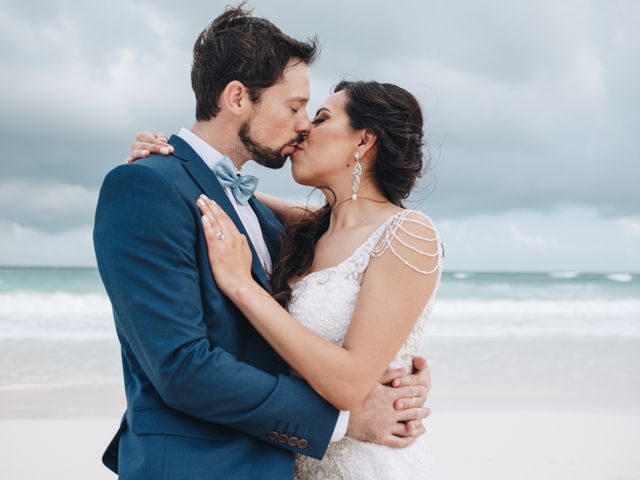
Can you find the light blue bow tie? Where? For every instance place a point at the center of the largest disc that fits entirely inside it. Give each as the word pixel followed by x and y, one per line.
pixel 242 186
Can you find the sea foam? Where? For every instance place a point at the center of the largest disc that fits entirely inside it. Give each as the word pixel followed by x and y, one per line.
pixel 462 275
pixel 565 275
pixel 60 316
pixel 534 318
pixel 57 315
pixel 620 277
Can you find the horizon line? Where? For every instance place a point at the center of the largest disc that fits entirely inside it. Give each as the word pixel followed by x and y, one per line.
pixel 579 272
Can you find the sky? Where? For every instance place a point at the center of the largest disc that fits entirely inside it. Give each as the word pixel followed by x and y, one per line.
pixel 532 116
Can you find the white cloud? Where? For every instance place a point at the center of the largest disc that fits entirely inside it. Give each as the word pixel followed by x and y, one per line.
pixel 47 196
pixel 629 227
pixel 54 206
pixel 533 242
pixel 79 83
pixel 571 239
pixel 28 246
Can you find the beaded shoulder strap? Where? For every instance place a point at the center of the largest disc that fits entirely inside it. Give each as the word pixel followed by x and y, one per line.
pixel 391 234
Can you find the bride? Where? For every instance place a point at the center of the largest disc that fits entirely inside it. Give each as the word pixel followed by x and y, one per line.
pixel 355 279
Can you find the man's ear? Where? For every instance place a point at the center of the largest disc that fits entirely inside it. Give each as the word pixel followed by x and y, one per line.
pixel 234 98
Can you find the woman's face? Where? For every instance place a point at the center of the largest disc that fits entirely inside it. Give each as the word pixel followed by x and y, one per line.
pixel 321 160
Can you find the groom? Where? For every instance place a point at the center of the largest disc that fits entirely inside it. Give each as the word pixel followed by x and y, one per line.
pixel 207 397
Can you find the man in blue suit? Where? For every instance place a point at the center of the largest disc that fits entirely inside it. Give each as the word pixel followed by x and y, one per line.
pixel 207 397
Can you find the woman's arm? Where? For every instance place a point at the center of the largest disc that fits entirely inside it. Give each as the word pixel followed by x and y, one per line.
pixel 391 299
pixel 287 212
pixel 147 143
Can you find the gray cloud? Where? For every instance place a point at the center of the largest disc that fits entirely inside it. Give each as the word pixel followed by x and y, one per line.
pixel 47 206
pixel 529 105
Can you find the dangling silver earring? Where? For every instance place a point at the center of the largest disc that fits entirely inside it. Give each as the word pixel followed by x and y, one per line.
pixel 357 173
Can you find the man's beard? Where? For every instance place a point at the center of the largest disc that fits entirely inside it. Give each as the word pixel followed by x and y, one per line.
pixel 268 157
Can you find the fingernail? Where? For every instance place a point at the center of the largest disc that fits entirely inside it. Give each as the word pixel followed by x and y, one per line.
pixel 171 148
pixel 396 383
pixel 144 152
pixel 204 196
pixel 205 219
pixel 164 150
pixel 200 202
pixel 400 404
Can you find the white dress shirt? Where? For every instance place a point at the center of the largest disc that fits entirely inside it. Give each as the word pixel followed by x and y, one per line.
pixel 248 217
pixel 211 157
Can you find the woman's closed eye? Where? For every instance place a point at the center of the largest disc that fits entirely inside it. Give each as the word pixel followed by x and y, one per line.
pixel 318 120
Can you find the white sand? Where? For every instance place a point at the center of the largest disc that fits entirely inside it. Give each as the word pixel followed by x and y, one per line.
pixel 467 445
pixel 490 420
pixel 524 446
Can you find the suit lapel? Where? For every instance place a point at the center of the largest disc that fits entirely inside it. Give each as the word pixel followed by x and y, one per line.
pixel 208 182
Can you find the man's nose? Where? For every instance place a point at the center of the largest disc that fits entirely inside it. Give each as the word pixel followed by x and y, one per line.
pixel 304 124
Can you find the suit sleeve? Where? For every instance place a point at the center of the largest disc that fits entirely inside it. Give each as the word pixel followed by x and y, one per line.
pixel 144 237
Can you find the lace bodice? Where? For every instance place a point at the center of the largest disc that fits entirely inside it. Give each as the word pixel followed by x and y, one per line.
pixel 324 301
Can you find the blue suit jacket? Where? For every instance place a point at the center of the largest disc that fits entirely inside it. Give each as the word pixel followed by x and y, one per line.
pixel 207 397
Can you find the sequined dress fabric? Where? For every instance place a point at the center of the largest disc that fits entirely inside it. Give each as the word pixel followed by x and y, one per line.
pixel 324 301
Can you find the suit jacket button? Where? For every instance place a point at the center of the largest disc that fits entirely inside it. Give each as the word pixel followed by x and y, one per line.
pixel 293 441
pixel 283 438
pixel 273 435
pixel 302 443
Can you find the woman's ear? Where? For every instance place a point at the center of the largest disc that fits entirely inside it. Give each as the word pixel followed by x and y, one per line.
pixel 367 142
pixel 234 98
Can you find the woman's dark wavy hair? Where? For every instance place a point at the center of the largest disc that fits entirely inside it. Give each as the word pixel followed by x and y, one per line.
pixel 394 116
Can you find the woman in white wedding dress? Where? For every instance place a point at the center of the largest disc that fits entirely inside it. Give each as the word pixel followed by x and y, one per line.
pixel 357 276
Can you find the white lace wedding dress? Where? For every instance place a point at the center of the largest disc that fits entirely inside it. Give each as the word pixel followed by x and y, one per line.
pixel 324 301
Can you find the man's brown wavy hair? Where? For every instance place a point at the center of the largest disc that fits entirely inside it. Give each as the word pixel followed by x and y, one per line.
pixel 239 46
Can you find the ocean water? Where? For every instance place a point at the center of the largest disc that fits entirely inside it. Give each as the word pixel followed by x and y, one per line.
pixel 56 326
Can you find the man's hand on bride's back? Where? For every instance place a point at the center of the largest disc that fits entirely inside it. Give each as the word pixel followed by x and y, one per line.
pixel 421 375
pixel 393 412
pixel 147 143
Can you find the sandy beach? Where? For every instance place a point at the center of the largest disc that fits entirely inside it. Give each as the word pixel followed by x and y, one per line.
pixel 515 425
pixel 483 445
pixel 533 378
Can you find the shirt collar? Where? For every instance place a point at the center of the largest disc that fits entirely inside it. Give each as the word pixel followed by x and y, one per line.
pixel 209 155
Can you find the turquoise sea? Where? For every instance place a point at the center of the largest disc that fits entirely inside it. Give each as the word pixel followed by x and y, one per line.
pixel 56 327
